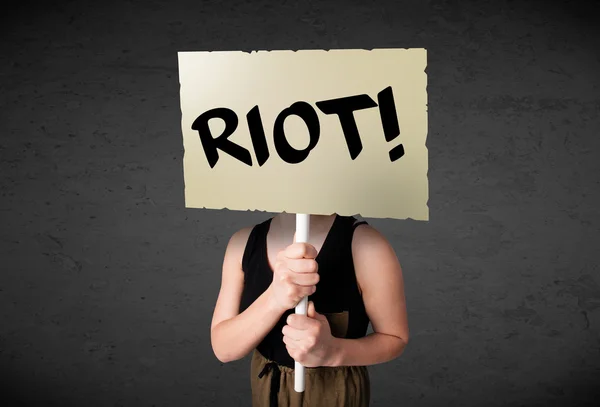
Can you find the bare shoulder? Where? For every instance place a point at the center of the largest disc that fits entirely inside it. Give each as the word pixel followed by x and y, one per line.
pixel 367 239
pixel 373 255
pixel 240 238
pixel 237 244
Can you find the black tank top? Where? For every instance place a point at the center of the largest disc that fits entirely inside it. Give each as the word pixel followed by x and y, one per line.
pixel 337 291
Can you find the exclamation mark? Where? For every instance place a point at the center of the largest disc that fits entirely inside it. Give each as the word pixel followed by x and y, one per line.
pixel 389 121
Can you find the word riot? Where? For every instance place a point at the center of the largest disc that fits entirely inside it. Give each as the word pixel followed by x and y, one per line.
pixel 344 108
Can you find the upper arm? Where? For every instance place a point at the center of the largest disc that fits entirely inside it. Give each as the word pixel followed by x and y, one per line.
pixel 232 278
pixel 380 279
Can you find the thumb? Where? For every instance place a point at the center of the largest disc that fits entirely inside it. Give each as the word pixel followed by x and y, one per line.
pixel 311 312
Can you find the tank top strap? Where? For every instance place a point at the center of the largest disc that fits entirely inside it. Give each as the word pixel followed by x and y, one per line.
pixel 255 244
pixel 256 278
pixel 358 220
pixel 359 320
pixel 335 292
pixel 345 234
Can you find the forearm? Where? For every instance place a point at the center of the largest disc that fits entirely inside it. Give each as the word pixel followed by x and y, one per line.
pixel 234 338
pixel 370 350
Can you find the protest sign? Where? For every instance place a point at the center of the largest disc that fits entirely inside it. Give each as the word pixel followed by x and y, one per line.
pixel 309 131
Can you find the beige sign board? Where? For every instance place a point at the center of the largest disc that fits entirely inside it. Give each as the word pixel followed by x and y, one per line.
pixel 277 131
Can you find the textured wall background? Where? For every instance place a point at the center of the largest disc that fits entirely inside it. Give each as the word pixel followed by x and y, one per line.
pixel 108 284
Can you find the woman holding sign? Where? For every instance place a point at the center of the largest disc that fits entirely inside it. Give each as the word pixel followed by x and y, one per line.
pixel 351 276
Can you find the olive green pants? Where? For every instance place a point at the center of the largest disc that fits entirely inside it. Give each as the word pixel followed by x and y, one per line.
pixel 343 386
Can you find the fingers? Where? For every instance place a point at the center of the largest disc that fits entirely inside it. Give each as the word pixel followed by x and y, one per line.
pixel 300 322
pixel 295 348
pixel 300 251
pixel 303 279
pixel 290 342
pixel 302 340
pixel 300 336
pixel 296 277
pixel 302 265
pixel 297 354
pixel 293 334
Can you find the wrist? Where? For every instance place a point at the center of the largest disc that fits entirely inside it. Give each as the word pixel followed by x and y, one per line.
pixel 336 354
pixel 272 303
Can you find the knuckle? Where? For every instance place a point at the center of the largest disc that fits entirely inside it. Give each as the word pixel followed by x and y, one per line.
pixel 280 269
pixel 306 252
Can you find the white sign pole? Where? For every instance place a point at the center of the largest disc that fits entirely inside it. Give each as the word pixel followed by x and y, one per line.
pixel 302 231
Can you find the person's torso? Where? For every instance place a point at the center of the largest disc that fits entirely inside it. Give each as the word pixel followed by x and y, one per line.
pixel 337 296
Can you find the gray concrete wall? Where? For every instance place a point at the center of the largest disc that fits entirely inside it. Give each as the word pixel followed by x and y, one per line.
pixel 108 283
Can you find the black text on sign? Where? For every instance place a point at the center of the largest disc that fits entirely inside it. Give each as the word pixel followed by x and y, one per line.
pixel 344 108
